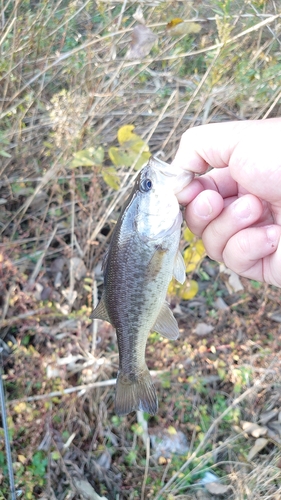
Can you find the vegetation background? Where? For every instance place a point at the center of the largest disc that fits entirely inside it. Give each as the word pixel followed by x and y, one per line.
pixel 84 100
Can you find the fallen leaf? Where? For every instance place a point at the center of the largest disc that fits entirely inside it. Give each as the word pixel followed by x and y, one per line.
pixel 78 268
pixel 258 446
pixel 276 316
pixel 85 489
pixel 216 488
pixel 142 42
pixel 138 15
pixel 254 429
pixel 174 22
pixel 203 329
pixel 58 264
pixel 221 304
pixel 209 477
pixel 22 459
pixel 234 282
pixel 275 426
pixel 69 295
pixel 177 27
pixel 268 415
pixel 104 460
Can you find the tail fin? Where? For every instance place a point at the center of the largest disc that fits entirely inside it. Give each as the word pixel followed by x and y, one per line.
pixel 136 394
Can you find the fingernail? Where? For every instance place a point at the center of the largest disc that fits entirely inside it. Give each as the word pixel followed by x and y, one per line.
pixel 202 207
pixel 272 234
pixel 242 208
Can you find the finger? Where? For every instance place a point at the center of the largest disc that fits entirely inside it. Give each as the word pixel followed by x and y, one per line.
pixel 211 144
pixel 203 210
pixel 255 254
pixel 216 180
pixel 240 214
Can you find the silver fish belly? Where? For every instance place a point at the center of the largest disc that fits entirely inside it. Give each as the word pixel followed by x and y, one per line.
pixel 142 258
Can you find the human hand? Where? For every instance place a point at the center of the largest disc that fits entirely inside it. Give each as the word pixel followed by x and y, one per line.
pixel 236 207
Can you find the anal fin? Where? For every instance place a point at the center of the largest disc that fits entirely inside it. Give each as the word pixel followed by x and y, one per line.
pixel 166 323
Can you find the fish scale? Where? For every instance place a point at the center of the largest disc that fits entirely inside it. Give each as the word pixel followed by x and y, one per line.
pixel 142 258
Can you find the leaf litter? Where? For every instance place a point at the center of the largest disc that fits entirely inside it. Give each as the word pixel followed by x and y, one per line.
pixel 197 378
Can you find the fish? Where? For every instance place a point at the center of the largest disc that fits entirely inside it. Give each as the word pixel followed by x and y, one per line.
pixel 141 260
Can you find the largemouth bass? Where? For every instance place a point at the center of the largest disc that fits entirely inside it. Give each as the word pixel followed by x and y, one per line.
pixel 142 258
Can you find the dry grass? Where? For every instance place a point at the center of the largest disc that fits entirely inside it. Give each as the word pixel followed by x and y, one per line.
pixel 65 86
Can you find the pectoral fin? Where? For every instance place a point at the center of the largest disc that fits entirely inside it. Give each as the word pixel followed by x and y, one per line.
pixel 100 312
pixel 179 268
pixel 166 323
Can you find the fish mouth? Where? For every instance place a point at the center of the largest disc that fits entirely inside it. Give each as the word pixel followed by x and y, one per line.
pixel 161 166
pixel 180 176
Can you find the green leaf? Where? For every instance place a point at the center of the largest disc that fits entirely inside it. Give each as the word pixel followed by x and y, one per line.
pixel 142 160
pixel 88 157
pixel 111 178
pixel 4 153
pixel 119 158
pixel 137 144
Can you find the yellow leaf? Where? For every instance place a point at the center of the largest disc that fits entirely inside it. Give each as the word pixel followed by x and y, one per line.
pixel 22 459
pixel 189 290
pixel 200 248
pixel 171 288
pixel 172 430
pixel 181 29
pixel 137 144
pixel 191 259
pixel 111 178
pixel 188 235
pixel 143 159
pixel 174 22
pixel 20 408
pixel 119 158
pixel 125 134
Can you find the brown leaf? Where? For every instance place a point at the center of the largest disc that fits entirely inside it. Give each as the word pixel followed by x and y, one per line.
pixel 234 284
pixel 258 446
pixel 138 15
pixel 253 429
pixel 174 22
pixel 142 42
pixel 216 488
pixel 78 267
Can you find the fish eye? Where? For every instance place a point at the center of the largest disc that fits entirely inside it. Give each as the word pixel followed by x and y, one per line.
pixel 146 185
